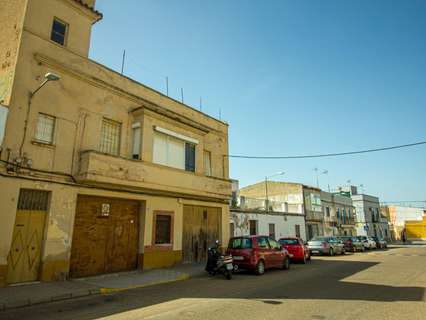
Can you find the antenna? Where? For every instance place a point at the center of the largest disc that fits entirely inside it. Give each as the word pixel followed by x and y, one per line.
pixel 122 61
pixel 167 86
pixel 181 93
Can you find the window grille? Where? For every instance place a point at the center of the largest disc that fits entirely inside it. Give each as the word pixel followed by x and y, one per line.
pixel 45 128
pixel 110 137
pixel 33 199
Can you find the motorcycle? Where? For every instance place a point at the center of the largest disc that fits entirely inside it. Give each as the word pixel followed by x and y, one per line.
pixel 219 263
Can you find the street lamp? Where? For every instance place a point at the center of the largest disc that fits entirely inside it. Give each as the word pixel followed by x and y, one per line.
pixel 47 78
pixel 266 186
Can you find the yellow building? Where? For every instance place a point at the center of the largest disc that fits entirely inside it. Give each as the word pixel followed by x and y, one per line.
pixel 98 172
pixel 416 230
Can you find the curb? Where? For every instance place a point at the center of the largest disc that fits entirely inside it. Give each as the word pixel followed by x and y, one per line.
pixel 83 293
pixel 154 283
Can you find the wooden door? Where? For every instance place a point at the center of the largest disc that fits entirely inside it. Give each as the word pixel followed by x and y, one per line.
pixel 201 228
pixel 25 254
pixel 105 237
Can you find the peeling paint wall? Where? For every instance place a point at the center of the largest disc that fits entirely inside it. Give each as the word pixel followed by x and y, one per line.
pixel 11 24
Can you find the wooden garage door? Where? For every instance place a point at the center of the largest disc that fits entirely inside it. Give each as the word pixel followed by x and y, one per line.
pixel 105 237
pixel 201 228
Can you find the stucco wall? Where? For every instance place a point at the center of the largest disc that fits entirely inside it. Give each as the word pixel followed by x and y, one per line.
pixel 284 224
pixel 11 24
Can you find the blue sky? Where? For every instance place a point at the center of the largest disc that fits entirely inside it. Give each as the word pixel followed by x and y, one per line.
pixel 290 77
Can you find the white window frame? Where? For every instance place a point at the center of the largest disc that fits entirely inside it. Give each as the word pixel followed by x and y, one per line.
pixel 207 164
pixel 136 140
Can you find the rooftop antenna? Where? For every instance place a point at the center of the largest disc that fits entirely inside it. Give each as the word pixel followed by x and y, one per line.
pixel 181 93
pixel 167 86
pixel 122 61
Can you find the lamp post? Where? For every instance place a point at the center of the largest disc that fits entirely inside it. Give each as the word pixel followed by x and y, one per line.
pixel 266 187
pixel 47 78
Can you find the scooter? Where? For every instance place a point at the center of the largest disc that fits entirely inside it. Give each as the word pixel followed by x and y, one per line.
pixel 219 263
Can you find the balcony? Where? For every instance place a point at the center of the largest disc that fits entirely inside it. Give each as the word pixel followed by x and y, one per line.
pixel 101 169
pixel 314 216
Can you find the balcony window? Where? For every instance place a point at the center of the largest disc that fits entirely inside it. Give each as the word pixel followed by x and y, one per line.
pixel 45 128
pixel 110 137
pixel 136 140
pixel 173 152
pixel 272 230
pixel 59 32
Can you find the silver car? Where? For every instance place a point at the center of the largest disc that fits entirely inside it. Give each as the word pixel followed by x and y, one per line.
pixel 326 246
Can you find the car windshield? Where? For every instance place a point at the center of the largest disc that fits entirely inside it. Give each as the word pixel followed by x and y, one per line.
pixel 288 241
pixel 240 243
pixel 355 239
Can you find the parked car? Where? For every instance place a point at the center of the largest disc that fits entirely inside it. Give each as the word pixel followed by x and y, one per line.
pixel 380 243
pixel 297 249
pixel 368 242
pixel 352 244
pixel 326 246
pixel 258 253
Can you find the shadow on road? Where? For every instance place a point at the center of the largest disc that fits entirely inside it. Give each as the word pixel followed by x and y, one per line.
pixel 320 279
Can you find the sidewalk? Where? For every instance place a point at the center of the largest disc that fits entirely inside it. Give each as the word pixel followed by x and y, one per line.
pixel 23 295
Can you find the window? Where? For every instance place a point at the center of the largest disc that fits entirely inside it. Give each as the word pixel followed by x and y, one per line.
pixel 344 215
pixel 338 215
pixel 274 244
pixel 173 152
pixel 45 128
pixel 190 157
pixel 231 229
pixel 297 229
pixel 163 229
pixel 289 241
pixel 110 137
pixel 253 227
pixel 327 211
pixel 3 117
pixel 262 242
pixel 240 243
pixel 207 163
pixel 272 230
pixel 59 31
pixel 136 137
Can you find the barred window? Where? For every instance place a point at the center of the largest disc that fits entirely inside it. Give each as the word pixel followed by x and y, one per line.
pixel 45 128
pixel 110 137
pixel 163 229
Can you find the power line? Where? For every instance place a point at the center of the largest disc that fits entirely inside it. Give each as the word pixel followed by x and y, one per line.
pixel 329 154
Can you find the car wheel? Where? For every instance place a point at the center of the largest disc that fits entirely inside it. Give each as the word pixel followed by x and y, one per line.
pixel 260 268
pixel 331 252
pixel 286 263
pixel 309 257
pixel 304 259
pixel 343 251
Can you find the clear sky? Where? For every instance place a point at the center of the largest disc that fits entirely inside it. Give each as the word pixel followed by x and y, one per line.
pixel 290 77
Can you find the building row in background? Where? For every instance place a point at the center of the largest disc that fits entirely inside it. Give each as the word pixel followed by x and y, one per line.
pixel 282 209
pixel 406 222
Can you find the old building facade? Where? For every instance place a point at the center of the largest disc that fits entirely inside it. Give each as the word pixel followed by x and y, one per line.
pixel 339 214
pixel 296 197
pixel 398 215
pixel 99 173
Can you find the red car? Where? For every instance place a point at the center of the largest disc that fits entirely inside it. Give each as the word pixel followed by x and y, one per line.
pixel 258 253
pixel 297 249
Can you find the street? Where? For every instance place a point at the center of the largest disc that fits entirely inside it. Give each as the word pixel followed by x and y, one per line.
pixel 375 285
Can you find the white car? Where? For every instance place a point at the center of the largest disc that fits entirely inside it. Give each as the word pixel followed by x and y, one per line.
pixel 368 242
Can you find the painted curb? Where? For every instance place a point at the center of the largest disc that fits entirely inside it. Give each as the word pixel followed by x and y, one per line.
pixel 149 284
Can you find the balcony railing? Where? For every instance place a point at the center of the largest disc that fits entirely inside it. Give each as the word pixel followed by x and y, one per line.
pixel 100 168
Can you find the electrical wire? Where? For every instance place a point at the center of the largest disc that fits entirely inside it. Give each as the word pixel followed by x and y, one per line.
pixel 329 154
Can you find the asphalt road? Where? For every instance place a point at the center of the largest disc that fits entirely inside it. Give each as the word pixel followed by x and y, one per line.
pixel 376 285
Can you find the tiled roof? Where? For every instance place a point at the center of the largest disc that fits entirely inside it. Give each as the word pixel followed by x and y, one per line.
pixel 91 8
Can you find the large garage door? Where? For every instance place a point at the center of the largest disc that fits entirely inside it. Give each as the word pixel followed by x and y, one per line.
pixel 201 228
pixel 105 237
